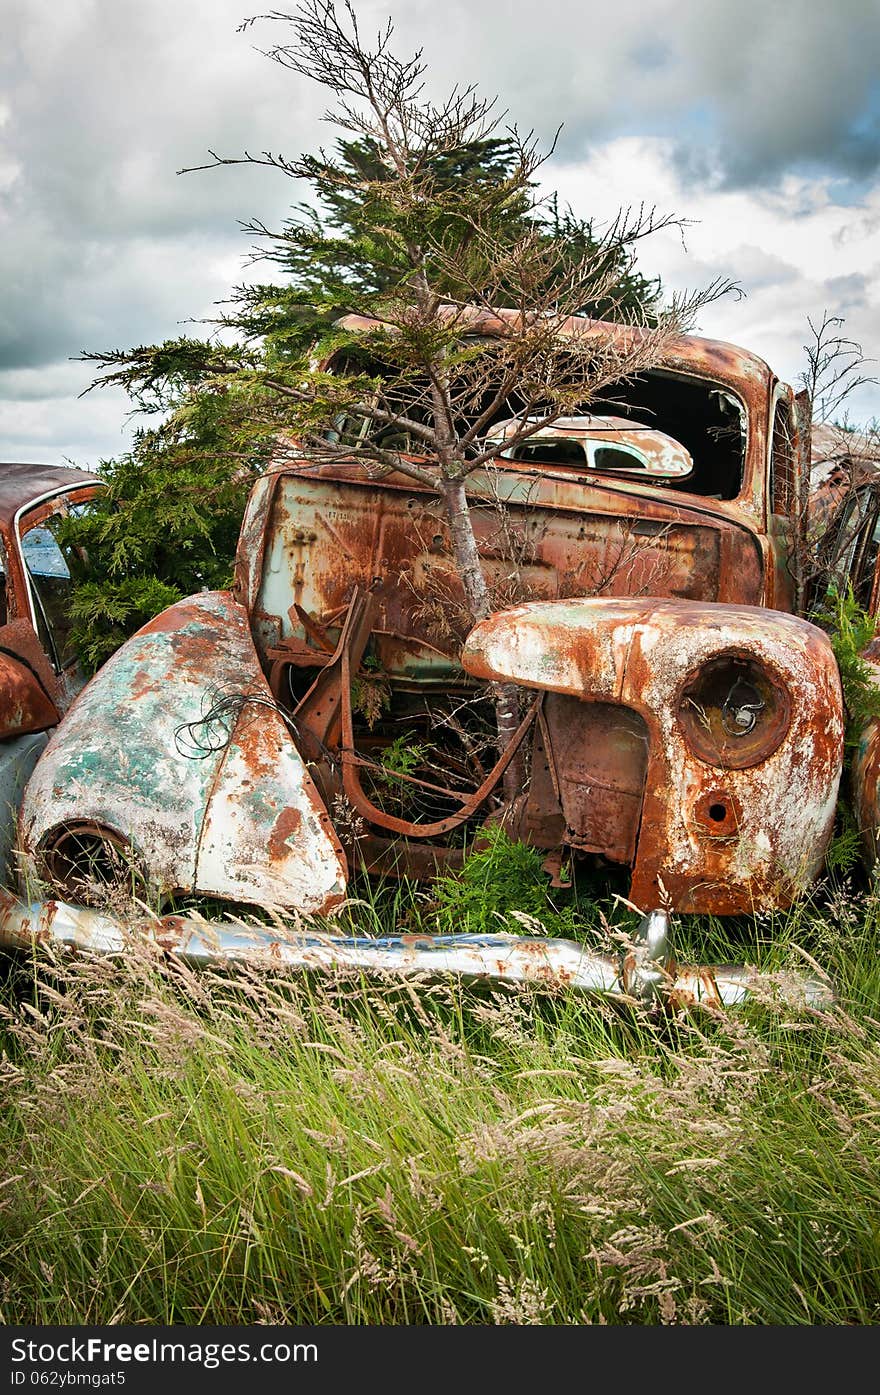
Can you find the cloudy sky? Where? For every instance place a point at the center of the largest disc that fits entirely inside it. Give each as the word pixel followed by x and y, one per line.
pixel 759 123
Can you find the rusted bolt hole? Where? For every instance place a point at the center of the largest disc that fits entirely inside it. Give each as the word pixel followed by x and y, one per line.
pixel 718 813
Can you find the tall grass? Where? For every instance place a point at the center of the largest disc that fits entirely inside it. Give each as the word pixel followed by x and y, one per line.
pixel 241 1147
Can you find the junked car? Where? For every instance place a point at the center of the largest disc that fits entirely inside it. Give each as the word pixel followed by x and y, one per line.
pixel 39 671
pixel 246 745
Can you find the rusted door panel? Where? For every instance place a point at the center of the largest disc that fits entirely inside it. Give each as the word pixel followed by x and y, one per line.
pixel 28 689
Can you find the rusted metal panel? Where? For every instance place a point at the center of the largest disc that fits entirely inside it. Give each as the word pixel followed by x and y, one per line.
pixel 599 754
pixel 28 687
pixel 220 805
pixel 330 531
pixel 645 972
pixel 717 833
pixel 24 705
pixel 865 775
pixel 866 791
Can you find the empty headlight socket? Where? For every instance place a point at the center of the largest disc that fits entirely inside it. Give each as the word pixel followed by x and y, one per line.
pixel 703 713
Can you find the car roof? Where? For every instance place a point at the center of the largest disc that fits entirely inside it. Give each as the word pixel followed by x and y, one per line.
pixel 684 353
pixel 22 482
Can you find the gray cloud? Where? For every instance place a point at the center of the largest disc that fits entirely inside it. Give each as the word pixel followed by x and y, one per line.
pixel 748 90
pixel 101 101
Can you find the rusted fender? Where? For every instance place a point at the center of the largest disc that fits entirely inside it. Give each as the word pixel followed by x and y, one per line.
pixel 224 808
pixel 731 821
pixel 644 972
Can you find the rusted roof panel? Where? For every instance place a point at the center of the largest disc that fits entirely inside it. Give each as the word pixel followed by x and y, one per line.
pixel 21 482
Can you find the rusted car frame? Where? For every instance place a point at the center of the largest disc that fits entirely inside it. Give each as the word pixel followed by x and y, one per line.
pixel 238 746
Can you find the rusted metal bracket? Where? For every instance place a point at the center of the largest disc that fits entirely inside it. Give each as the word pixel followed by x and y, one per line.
pixel 318 717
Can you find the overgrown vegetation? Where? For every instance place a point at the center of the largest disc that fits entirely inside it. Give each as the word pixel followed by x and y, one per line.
pixel 239 1147
pixel 165 527
pixel 851 629
pixel 503 886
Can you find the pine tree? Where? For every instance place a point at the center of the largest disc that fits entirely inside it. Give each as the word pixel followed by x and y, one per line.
pixel 428 221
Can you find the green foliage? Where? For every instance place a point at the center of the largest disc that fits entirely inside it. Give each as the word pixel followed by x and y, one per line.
pixel 851 629
pixel 165 527
pixel 356 257
pixel 501 876
pixel 402 756
pixel 845 849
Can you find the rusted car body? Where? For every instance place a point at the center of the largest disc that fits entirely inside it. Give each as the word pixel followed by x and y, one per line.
pixel 845 524
pixel 39 674
pixel 678 719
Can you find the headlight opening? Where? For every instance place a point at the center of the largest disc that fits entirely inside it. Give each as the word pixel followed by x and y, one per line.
pixel 734 711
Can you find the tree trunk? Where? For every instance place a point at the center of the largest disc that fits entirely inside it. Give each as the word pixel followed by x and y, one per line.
pixel 467 561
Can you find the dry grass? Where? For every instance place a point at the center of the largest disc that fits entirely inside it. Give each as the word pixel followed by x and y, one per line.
pixel 238 1147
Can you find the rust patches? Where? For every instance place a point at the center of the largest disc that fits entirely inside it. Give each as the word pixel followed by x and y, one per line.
pixel 286 827
pixel 718 813
pixel 25 704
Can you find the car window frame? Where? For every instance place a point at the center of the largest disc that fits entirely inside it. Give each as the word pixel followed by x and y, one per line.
pixel 34 514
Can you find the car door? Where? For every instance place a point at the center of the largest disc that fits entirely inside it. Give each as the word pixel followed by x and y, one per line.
pixel 39 671
pixel 48 586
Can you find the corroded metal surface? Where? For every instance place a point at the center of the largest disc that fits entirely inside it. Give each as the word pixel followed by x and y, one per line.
pixel 22 482
pixel 645 972
pixel 712 837
pixel 28 687
pixel 223 806
pixel 866 772
pixel 328 530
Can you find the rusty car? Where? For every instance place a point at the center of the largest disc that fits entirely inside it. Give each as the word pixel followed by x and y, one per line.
pixel 39 670
pixel 238 747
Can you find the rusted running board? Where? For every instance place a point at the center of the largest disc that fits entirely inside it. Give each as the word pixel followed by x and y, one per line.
pixel 645 971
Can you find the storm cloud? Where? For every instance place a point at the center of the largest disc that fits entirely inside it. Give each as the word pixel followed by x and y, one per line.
pixel 771 111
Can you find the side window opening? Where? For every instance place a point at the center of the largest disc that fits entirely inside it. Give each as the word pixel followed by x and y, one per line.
pixel 558 452
pixel 50 583
pixel 782 461
pixel 616 458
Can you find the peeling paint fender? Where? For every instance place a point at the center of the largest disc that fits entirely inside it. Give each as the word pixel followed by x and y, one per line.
pixel 729 827
pixel 223 808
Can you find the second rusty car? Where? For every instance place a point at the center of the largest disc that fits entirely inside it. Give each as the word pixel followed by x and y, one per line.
pixel 39 671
